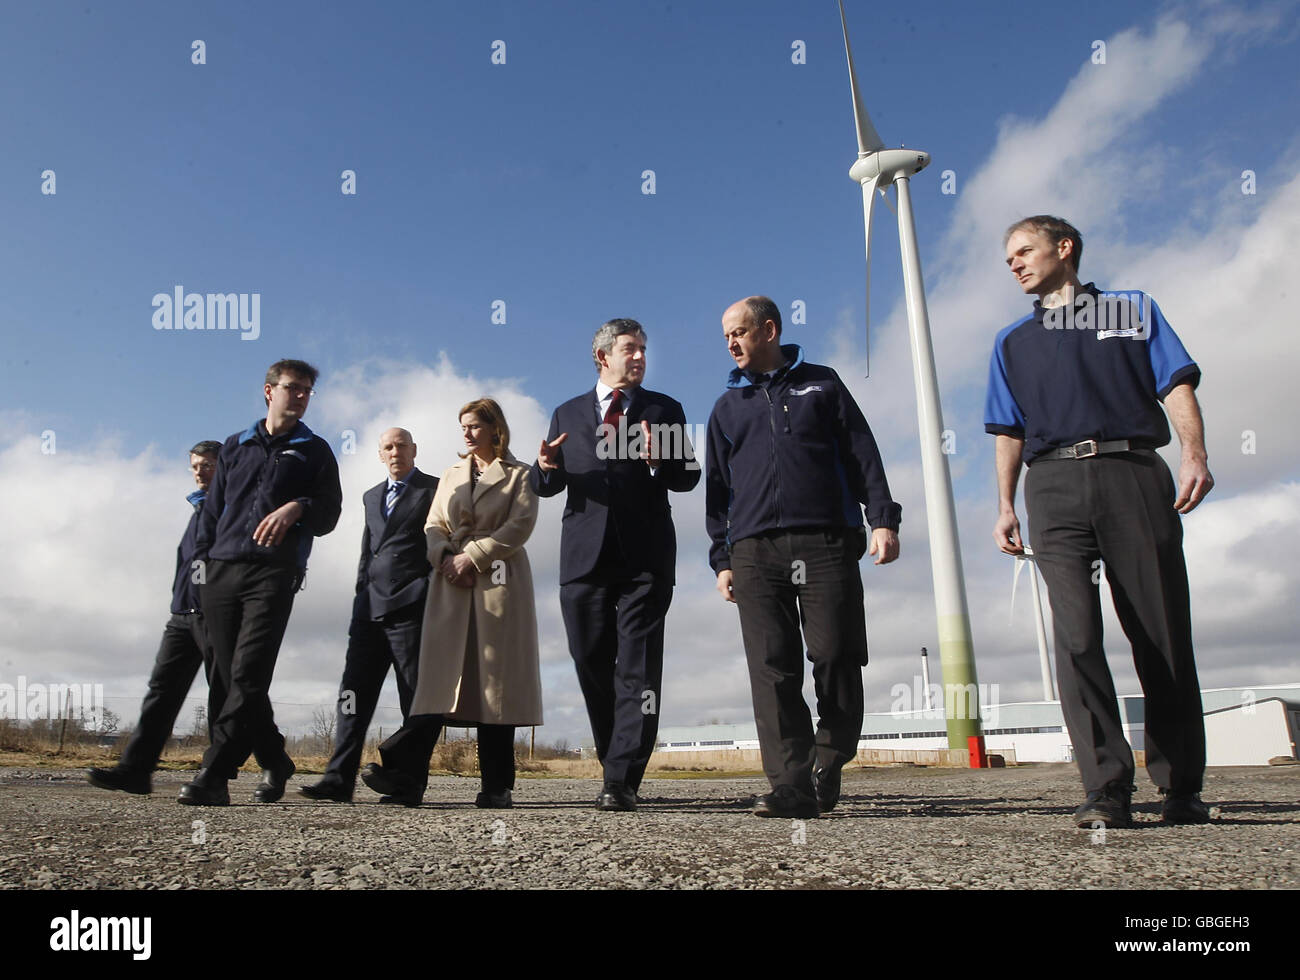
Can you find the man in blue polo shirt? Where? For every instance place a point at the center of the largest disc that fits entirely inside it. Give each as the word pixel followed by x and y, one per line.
pixel 1074 393
pixel 275 488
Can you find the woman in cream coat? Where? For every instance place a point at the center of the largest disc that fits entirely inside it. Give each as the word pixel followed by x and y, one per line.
pixel 478 652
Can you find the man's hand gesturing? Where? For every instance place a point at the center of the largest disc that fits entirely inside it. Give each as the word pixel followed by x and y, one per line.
pixel 546 454
pixel 649 446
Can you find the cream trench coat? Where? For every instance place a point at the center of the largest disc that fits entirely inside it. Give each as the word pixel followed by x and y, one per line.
pixel 478 648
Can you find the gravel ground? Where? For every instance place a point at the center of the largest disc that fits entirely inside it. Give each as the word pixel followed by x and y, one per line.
pixel 894 828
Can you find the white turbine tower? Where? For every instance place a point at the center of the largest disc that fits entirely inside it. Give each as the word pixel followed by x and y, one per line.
pixel 877 167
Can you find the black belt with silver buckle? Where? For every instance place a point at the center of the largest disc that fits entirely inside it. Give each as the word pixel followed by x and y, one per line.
pixel 1087 449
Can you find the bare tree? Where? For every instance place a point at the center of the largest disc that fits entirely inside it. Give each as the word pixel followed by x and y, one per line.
pixel 109 723
pixel 322 726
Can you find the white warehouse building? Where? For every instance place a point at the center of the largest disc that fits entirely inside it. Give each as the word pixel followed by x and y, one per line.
pixel 1244 726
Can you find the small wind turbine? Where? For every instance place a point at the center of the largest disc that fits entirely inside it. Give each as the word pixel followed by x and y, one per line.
pixel 1040 624
pixel 875 168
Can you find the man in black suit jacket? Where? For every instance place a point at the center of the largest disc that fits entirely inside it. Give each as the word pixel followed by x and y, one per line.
pixel 624 448
pixel 392 579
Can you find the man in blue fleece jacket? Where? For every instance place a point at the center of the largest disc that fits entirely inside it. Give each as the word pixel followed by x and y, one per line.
pixel 791 465
pixel 184 649
pixel 276 487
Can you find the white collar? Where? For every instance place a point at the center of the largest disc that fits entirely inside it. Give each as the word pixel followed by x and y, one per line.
pixel 604 392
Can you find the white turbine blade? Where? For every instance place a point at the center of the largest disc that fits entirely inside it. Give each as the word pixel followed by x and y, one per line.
pixel 868 201
pixel 884 194
pixel 868 139
pixel 1015 577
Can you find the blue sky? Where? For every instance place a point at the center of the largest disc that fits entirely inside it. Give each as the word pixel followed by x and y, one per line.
pixel 522 182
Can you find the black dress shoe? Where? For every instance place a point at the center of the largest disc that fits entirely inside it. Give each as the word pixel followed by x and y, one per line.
pixel 786 801
pixel 826 784
pixel 204 790
pixel 616 798
pixel 119 777
pixel 1183 808
pixel 494 801
pixel 1108 806
pixel 271 788
pixel 330 788
pixel 393 786
pixel 411 801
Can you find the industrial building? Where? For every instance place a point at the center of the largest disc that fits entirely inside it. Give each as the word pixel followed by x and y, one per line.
pixel 1244 726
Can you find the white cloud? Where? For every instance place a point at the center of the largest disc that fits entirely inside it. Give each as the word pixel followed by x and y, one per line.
pixel 83 556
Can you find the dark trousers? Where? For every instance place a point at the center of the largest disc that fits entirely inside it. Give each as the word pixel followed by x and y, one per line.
pixel 615 625
pixel 372 647
pixel 246 607
pixel 184 649
pixel 409 749
pixel 787 579
pixel 1119 508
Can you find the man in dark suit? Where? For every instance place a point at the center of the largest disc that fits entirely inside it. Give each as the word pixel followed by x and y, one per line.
pixel 624 448
pixel 392 579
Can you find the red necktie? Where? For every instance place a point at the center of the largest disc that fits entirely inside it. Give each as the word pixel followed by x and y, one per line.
pixel 615 410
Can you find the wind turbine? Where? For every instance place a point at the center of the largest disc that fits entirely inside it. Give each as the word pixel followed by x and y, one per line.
pixel 876 168
pixel 1040 625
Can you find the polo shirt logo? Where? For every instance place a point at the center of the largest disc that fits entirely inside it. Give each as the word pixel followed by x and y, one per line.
pixel 293 452
pixel 1137 331
pixel 805 390
pixel 1127 315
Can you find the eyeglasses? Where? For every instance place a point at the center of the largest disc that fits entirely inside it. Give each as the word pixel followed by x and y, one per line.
pixel 294 389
